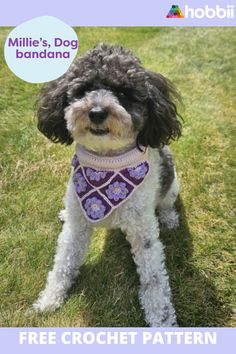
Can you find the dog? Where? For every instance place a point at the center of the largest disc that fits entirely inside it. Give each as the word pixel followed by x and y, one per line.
pixel 122 118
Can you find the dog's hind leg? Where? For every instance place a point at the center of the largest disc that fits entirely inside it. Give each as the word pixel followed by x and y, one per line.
pixel 168 192
pixel 72 247
pixel 165 210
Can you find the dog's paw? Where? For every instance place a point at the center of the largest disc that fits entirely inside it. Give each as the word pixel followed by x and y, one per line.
pixel 159 311
pixel 160 323
pixel 62 215
pixel 40 306
pixel 169 218
pixel 169 318
pixel 164 317
pixel 47 303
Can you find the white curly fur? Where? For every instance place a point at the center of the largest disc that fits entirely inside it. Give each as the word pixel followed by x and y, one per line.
pixel 141 231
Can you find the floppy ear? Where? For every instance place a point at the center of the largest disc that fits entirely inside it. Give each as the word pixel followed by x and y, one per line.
pixel 162 124
pixel 51 104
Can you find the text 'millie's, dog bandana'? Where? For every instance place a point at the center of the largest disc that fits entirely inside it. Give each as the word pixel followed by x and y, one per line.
pixel 104 183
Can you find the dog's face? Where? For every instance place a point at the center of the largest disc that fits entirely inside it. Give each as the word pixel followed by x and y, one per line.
pixel 107 101
pixel 104 121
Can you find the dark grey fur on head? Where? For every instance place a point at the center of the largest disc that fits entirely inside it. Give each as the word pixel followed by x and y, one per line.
pixel 147 96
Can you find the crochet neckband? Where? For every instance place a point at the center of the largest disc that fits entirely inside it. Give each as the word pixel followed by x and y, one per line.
pixel 129 158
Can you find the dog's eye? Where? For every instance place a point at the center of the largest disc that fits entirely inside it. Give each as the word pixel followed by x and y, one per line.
pixel 79 95
pixel 121 95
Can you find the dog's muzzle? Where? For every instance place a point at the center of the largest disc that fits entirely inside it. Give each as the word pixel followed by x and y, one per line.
pixel 97 116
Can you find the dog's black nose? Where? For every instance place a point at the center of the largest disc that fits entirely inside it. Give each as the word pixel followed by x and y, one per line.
pixel 97 115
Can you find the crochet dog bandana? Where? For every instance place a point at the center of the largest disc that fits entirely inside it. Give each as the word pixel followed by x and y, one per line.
pixel 103 183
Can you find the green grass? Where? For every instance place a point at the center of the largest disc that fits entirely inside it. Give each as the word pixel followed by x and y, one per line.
pixel 34 173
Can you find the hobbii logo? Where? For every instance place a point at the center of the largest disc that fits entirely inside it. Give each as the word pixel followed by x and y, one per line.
pixel 209 12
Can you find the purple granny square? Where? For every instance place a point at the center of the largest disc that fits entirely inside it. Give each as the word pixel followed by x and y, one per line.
pixel 81 185
pixel 96 177
pixel 95 206
pixel 117 190
pixel 137 173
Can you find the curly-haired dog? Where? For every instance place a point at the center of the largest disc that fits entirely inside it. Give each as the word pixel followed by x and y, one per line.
pixel 121 117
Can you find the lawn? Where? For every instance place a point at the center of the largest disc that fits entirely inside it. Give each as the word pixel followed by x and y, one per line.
pixel 34 173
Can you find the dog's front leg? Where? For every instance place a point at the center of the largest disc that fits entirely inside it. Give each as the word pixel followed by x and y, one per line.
pixel 72 247
pixel 148 254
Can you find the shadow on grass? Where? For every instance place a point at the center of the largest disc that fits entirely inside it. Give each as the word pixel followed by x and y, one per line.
pixel 194 295
pixel 110 285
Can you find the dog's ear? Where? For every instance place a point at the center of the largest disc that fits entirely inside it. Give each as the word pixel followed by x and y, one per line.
pixel 162 123
pixel 51 104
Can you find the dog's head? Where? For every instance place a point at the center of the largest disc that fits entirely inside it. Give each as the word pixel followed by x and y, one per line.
pixel 107 101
